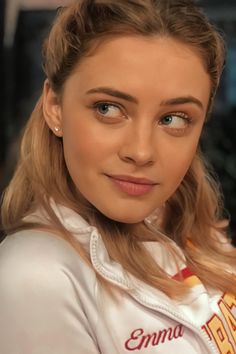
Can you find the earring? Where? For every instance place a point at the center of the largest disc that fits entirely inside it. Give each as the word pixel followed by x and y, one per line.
pixel 57 129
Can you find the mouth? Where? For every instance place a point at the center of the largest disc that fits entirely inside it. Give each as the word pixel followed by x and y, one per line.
pixel 130 185
pixel 131 179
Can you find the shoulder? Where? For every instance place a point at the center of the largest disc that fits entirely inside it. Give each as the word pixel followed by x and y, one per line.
pixel 35 245
pixel 47 295
pixel 34 257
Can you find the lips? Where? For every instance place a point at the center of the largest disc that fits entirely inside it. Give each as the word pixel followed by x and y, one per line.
pixel 131 179
pixel 132 185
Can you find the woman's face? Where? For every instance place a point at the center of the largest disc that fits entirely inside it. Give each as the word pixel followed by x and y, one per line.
pixel 131 116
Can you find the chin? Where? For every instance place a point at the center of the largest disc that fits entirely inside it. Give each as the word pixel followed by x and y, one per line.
pixel 127 218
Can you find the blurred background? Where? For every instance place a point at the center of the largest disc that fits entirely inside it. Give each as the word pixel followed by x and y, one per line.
pixel 23 26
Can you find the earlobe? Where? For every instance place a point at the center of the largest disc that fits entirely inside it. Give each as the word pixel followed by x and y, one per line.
pixel 52 109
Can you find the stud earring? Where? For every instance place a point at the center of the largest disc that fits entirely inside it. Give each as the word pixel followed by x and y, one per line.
pixel 57 129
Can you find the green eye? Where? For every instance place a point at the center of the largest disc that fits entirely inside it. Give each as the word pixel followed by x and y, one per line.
pixel 108 110
pixel 175 121
pixel 103 108
pixel 167 120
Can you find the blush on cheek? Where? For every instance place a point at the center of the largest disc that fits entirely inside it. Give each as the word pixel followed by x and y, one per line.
pixel 179 173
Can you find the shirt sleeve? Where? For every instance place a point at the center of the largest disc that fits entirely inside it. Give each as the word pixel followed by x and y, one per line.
pixel 40 309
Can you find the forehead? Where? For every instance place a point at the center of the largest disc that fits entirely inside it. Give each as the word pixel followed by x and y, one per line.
pixel 146 63
pixel 139 48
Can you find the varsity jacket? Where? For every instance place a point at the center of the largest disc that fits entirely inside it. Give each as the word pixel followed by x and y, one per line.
pixel 51 301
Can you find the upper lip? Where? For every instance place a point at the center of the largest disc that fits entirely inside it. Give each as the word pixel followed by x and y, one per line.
pixel 138 180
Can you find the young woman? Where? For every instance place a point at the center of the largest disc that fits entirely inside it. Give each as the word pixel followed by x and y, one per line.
pixel 115 240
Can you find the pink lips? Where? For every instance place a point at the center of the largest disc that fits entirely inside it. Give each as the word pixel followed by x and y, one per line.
pixel 132 185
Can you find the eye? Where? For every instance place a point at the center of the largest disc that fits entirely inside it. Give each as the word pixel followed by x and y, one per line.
pixel 108 110
pixel 175 120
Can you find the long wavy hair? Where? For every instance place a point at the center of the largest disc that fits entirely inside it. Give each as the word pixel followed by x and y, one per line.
pixel 192 217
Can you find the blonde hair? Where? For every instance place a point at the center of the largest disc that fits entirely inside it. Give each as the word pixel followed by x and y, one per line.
pixel 192 216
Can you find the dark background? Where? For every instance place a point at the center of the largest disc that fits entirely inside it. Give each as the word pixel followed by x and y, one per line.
pixel 21 79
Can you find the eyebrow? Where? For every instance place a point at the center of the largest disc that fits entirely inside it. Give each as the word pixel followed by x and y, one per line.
pixel 125 96
pixel 183 100
pixel 115 93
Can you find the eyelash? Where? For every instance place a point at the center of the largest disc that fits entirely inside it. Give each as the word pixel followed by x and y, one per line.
pixel 96 105
pixel 184 116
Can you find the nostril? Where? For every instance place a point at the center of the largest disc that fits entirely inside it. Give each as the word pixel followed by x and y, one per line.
pixel 137 160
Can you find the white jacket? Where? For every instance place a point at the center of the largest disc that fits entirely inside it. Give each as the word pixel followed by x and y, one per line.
pixel 52 303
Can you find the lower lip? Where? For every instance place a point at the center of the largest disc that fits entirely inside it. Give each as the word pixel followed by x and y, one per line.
pixel 131 188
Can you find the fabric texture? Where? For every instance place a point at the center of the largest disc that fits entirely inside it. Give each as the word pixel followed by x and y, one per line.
pixel 52 303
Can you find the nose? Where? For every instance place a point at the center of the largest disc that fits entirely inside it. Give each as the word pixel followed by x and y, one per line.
pixel 138 146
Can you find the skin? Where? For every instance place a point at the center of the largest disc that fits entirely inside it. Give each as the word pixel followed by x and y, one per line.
pixel 154 138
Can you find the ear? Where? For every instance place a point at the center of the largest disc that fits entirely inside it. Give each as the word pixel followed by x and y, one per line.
pixel 52 109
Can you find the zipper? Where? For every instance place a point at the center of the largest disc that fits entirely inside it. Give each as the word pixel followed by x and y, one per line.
pixel 177 317
pixel 164 309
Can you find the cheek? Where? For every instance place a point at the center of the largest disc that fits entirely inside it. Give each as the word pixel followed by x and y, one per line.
pixel 80 151
pixel 86 143
pixel 178 161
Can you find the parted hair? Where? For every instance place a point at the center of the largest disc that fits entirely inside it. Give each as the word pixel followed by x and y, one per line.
pixel 193 215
